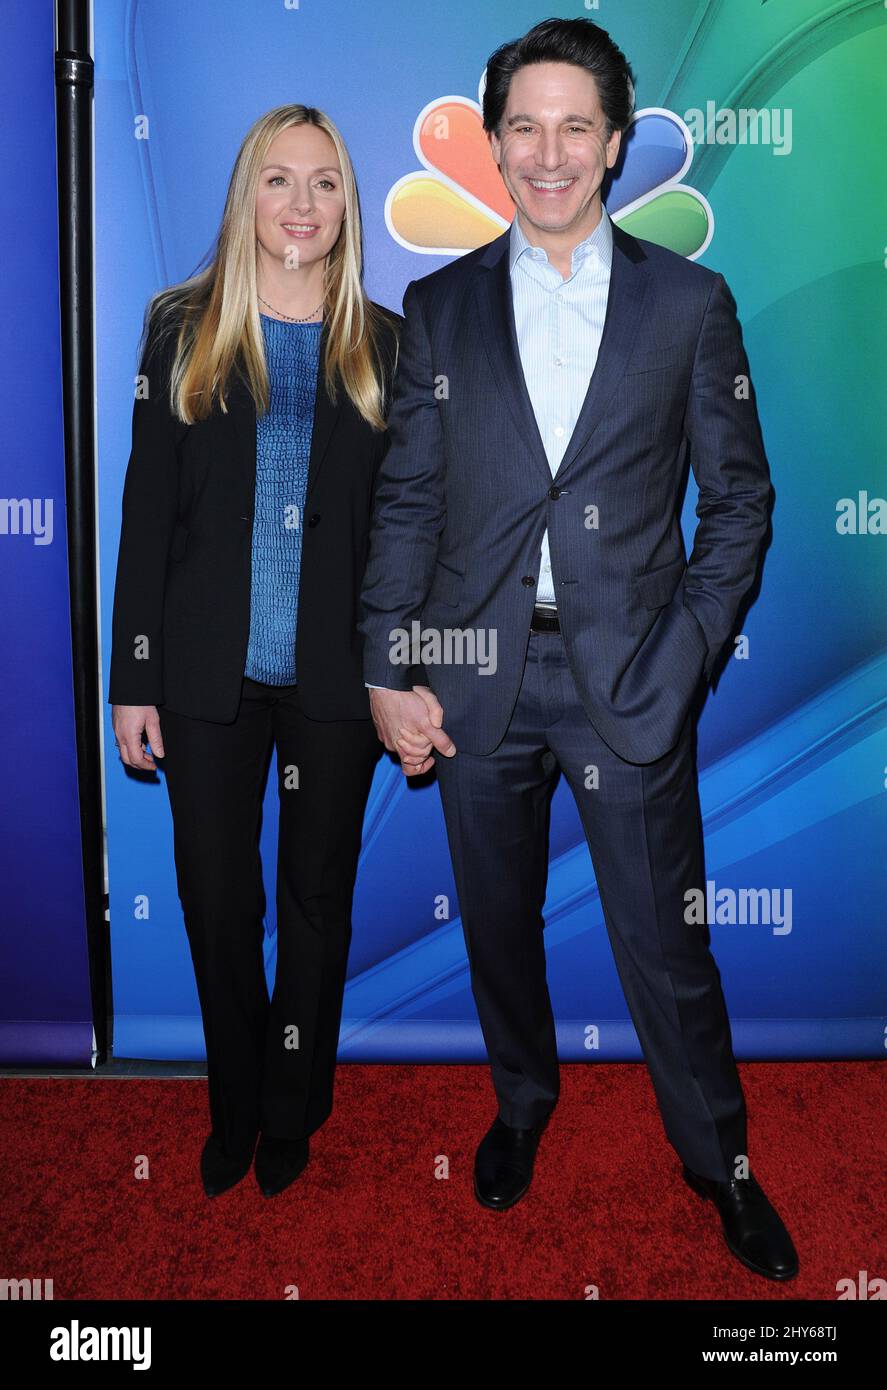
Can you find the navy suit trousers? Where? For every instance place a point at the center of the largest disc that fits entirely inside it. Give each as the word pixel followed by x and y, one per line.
pixel 643 827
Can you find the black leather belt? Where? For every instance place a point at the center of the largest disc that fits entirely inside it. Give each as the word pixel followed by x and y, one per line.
pixel 545 620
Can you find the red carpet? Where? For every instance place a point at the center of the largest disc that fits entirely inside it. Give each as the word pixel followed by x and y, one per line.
pixel 369 1220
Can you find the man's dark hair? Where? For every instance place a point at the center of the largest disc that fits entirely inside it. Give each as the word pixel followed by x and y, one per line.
pixel 577 41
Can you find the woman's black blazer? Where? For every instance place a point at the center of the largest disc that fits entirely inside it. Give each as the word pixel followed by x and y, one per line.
pixel 182 596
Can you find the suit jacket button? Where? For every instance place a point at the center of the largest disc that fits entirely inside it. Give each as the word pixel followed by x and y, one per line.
pixel 528 580
pixel 313 520
pixel 554 493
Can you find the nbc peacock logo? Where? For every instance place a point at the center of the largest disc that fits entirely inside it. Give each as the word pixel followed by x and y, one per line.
pixel 457 200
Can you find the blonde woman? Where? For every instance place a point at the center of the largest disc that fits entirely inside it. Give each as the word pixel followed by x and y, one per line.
pixel 255 445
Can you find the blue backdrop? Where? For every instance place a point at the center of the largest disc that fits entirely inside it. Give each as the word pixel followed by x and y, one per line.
pixel 792 746
pixel 45 1007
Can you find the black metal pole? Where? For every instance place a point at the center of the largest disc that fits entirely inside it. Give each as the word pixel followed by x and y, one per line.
pixel 74 94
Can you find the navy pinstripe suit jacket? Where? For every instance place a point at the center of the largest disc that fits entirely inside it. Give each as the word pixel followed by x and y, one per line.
pixel 464 494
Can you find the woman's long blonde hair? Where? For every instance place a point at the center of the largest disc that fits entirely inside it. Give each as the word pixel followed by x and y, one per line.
pixel 215 312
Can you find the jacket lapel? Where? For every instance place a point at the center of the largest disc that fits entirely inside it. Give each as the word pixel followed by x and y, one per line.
pixel 629 282
pixel 492 292
pixel 243 413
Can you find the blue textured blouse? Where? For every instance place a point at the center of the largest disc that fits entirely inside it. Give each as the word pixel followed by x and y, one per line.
pixel 283 447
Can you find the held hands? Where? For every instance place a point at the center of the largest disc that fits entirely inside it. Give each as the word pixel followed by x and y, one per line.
pixel 409 723
pixel 128 722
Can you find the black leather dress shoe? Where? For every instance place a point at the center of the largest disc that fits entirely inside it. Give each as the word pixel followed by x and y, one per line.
pixel 503 1165
pixel 753 1229
pixel 219 1170
pixel 279 1162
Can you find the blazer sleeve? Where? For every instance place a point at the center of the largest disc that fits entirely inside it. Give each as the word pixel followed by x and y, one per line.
pixel 730 466
pixel 408 508
pixel 149 511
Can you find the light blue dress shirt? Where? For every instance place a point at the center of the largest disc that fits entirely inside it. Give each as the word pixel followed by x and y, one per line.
pixel 559 324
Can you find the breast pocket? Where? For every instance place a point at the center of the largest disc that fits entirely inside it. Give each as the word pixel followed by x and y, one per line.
pixel 656 359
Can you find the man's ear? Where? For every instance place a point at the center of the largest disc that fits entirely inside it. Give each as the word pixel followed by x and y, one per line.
pixel 613 146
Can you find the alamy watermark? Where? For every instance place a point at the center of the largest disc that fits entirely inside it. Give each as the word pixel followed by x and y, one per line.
pixel 726 125
pixel 446 646
pixel 27 516
pixel 739 907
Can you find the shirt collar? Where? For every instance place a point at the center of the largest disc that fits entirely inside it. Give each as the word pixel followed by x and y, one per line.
pixel 599 242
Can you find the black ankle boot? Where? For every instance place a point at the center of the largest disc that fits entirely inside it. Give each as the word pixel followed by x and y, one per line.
pixel 279 1162
pixel 219 1170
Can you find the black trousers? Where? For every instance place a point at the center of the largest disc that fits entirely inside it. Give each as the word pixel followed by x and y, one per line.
pixel 643 828
pixel 271 1062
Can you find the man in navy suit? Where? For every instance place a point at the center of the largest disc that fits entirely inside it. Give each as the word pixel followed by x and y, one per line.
pixel 528 604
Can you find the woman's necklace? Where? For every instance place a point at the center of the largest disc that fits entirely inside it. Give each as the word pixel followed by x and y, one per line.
pixel 288 317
